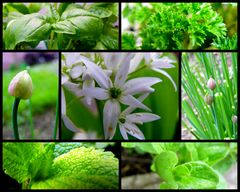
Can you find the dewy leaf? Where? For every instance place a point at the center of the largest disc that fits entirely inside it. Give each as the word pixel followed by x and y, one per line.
pixel 27 28
pixel 17 158
pixel 195 175
pixel 82 168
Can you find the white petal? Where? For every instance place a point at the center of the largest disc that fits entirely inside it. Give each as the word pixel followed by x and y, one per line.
pixel 113 60
pixel 63 102
pixel 74 88
pixel 140 85
pixel 69 124
pixel 111 112
pixel 136 60
pixel 76 71
pixel 88 84
pixel 130 109
pixel 132 101
pixel 133 130
pixel 123 131
pixel 71 58
pixel 122 72
pixel 161 63
pixel 167 75
pixel 96 92
pixel 64 79
pixel 98 74
pixel 142 117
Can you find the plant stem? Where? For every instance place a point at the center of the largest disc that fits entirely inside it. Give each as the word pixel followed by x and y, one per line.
pixel 100 114
pixel 30 119
pixel 69 44
pixel 51 40
pixel 139 69
pixel 56 122
pixel 14 118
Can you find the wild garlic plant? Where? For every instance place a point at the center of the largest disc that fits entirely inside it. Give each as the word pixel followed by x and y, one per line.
pixel 209 92
pixel 106 79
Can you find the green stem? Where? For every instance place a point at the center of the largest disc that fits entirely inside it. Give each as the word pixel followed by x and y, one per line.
pixel 56 122
pixel 31 119
pixel 51 40
pixel 139 69
pixel 100 113
pixel 69 44
pixel 14 118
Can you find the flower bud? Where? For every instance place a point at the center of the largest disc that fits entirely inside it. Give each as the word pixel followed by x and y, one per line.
pixel 211 84
pixel 21 85
pixel 234 119
pixel 208 99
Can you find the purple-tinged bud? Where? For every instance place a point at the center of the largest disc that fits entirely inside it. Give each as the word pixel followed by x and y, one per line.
pixel 21 85
pixel 211 84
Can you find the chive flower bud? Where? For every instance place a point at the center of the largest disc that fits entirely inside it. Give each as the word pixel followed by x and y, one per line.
pixel 234 119
pixel 21 85
pixel 208 99
pixel 211 84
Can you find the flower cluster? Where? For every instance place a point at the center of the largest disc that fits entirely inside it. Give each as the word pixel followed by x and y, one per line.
pixel 107 77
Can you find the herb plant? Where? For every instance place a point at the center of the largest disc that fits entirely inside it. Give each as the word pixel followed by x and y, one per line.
pixel 209 82
pixel 116 84
pixel 174 26
pixel 67 26
pixel 190 165
pixel 60 165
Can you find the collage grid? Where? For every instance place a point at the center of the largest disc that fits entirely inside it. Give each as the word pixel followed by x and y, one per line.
pixel 112 108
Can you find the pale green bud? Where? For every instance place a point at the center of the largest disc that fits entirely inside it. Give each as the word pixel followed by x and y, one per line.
pixel 234 119
pixel 208 99
pixel 21 85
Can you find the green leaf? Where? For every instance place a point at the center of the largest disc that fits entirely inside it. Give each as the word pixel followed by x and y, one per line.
pixel 29 28
pixel 164 164
pixel 196 175
pixel 61 148
pixel 16 158
pixel 20 7
pixel 82 168
pixel 80 23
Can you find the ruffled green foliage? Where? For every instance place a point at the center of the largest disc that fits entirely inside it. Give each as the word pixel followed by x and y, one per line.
pixel 190 165
pixel 172 26
pixel 60 166
pixel 67 26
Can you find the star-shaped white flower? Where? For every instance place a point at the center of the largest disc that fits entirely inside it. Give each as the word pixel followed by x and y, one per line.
pixel 116 90
pixel 127 121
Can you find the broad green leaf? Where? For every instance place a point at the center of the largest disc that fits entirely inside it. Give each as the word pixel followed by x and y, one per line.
pixel 76 182
pixel 100 12
pixel 164 164
pixel 195 175
pixel 61 148
pixel 19 159
pixel 29 28
pixel 83 168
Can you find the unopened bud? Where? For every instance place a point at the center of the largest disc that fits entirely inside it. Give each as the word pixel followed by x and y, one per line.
pixel 211 84
pixel 21 85
pixel 208 99
pixel 234 119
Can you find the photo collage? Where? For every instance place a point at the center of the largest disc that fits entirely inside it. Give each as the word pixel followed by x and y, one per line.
pixel 119 95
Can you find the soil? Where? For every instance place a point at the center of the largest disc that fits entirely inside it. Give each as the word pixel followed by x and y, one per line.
pixel 43 127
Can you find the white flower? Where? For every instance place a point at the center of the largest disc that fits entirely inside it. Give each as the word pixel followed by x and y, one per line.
pixel 154 62
pixel 127 121
pixel 116 90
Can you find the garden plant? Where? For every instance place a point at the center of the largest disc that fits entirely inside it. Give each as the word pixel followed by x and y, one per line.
pixel 55 165
pixel 209 92
pixel 64 26
pixel 174 26
pixel 189 165
pixel 104 93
